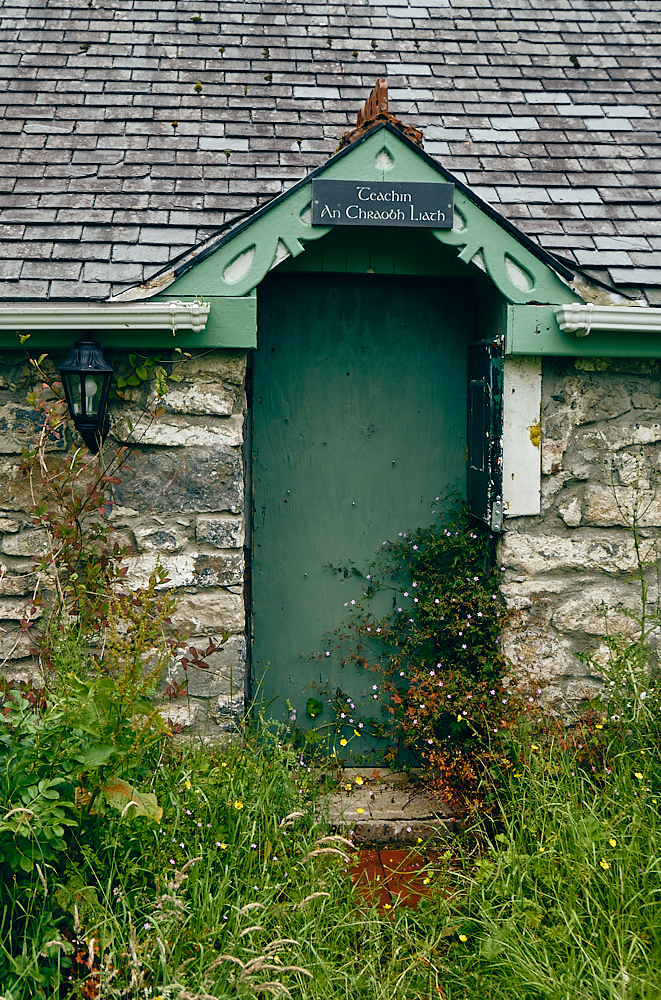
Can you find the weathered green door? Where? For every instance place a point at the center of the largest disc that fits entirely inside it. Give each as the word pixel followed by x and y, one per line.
pixel 359 421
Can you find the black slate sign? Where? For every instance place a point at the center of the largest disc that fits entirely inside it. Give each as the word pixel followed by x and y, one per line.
pixel 382 203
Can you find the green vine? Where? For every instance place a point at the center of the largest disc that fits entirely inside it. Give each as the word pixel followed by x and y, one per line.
pixel 137 370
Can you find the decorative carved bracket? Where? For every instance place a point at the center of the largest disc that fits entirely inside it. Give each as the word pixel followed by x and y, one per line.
pixel 239 265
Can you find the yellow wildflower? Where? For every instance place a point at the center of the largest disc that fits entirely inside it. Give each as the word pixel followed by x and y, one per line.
pixel 462 937
pixel 638 775
pixel 343 742
pixel 358 780
pixel 360 811
pixel 387 906
pixel 604 864
pixel 598 726
pixel 187 783
pixel 238 804
pixel 612 841
pixel 426 881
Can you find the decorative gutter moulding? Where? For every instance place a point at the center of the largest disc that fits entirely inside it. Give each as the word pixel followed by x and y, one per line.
pixel 581 318
pixel 172 316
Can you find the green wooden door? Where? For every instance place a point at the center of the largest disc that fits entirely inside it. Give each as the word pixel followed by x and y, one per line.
pixel 359 421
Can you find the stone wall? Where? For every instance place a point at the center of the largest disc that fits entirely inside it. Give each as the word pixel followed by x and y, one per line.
pixel 181 500
pixel 568 575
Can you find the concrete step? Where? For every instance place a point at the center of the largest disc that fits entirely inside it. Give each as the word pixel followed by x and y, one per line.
pixel 385 807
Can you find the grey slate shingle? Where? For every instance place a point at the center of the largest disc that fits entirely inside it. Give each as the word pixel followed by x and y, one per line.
pixel 548 109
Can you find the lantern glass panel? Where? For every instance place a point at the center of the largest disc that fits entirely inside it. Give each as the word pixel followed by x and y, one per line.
pixel 93 392
pixel 72 383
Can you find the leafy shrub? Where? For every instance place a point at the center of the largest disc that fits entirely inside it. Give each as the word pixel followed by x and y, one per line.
pixel 435 655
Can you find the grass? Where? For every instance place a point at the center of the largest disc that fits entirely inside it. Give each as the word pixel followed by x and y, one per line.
pixel 240 889
pixel 566 900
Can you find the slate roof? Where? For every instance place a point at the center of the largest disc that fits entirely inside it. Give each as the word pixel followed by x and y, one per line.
pixel 115 162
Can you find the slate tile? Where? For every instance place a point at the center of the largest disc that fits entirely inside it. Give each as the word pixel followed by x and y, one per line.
pixel 29 289
pixel 638 276
pixel 65 270
pixel 10 270
pixel 35 250
pixel 82 251
pixel 78 290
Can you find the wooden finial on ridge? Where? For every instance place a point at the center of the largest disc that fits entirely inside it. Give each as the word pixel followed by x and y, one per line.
pixel 374 112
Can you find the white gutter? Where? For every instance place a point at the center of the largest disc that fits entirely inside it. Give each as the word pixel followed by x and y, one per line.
pixel 580 318
pixel 86 316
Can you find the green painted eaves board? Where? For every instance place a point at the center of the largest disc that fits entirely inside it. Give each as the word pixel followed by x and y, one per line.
pixel 232 322
pixel 533 330
pixel 283 228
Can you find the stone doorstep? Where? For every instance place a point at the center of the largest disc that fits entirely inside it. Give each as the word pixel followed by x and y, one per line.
pixel 396 810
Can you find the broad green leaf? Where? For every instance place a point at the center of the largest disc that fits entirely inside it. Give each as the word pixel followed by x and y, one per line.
pixel 96 756
pixel 119 794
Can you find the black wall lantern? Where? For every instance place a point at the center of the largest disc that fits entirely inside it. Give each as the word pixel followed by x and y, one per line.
pixel 86 377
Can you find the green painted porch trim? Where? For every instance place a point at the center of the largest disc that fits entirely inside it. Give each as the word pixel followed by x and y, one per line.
pixel 534 330
pixel 232 322
pixel 243 259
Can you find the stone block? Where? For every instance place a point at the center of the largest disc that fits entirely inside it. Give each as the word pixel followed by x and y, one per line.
pixel 630 470
pixel 16 584
pixel 221 532
pixel 15 492
pixel 9 525
pixel 537 654
pixel 14 645
pixel 621 366
pixel 216 367
pixel 552 553
pixel 551 486
pixel 229 710
pixel 26 670
pixel 219 570
pixel 180 569
pixel 19 425
pixel 216 399
pixel 583 689
pixel 623 434
pixel 14 608
pixel 178 432
pixel 571 512
pixel 597 611
pixel 226 674
pixel 184 480
pixel 577 400
pixel 156 538
pixel 617 505
pixel 25 543
pixel 540 587
pixel 184 714
pixel 209 613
